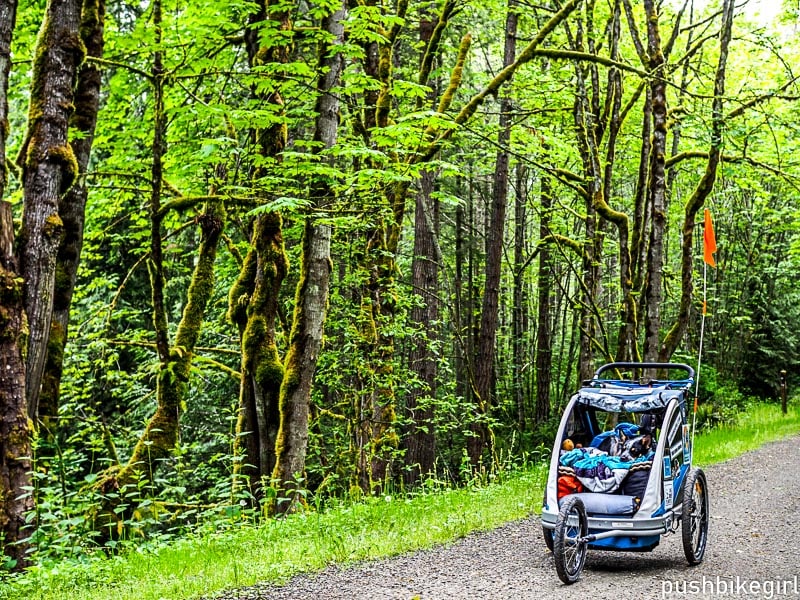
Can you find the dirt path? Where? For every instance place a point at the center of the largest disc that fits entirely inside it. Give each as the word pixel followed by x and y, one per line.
pixel 753 552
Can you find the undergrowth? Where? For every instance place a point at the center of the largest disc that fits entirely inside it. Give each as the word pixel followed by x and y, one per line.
pixel 214 559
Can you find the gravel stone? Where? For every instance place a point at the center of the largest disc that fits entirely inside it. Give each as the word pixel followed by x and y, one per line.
pixel 752 547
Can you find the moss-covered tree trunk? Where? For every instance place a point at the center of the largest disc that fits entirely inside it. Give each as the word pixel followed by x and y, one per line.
pixel 161 432
pixel 254 309
pixel 311 298
pixel 15 447
pixel 73 204
pixel 641 213
pixel 305 342
pixel 160 435
pixel 253 299
pixel 703 189
pixel 49 169
pixel 375 436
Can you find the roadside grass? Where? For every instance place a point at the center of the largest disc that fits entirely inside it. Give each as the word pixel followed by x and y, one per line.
pixel 759 424
pixel 275 551
pixel 376 528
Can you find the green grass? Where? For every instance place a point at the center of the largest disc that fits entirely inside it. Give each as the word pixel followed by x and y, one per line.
pixel 378 528
pixel 759 424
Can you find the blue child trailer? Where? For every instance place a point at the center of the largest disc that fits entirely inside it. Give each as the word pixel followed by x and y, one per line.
pixel 621 472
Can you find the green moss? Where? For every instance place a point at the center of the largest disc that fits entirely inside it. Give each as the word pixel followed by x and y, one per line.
pixel 53 226
pixel 90 18
pixel 10 288
pixel 18 438
pixel 73 43
pixel 56 342
pixel 262 56
pixel 65 158
pixel 291 375
pixel 385 65
pixel 269 371
pixel 239 296
pixel 39 67
pixel 6 333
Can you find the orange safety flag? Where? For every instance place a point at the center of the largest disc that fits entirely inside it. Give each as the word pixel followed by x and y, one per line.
pixel 709 240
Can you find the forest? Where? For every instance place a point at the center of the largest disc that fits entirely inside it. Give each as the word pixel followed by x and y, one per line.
pixel 259 256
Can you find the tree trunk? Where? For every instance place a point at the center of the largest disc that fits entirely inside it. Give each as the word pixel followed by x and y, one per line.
pixel 161 433
pixel 485 351
pixel 15 446
pixel 8 16
pixel 519 310
pixel 462 303
pixel 15 436
pixel 254 308
pixel 312 290
pixel 376 439
pixel 590 290
pixel 49 168
pixel 160 436
pixel 544 330
pixel 656 188
pixel 253 299
pixel 703 189
pixel 420 441
pixel 378 412
pixel 641 214
pixel 72 205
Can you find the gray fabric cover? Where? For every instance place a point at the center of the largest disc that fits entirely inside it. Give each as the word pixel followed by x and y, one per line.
pixel 607 504
pixel 619 399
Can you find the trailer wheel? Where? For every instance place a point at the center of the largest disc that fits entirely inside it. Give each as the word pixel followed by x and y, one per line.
pixel 548 537
pixel 547 533
pixel 569 549
pixel 694 516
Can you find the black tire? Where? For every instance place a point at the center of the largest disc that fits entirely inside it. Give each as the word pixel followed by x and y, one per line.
pixel 570 553
pixel 548 537
pixel 694 516
pixel 547 533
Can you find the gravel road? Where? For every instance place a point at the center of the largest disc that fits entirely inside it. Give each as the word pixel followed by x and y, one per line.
pixel 753 552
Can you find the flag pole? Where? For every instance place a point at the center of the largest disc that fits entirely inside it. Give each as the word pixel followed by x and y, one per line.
pixel 709 248
pixel 699 356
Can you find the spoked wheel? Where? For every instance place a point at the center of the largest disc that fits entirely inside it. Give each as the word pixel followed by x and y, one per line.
pixel 694 517
pixel 569 551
